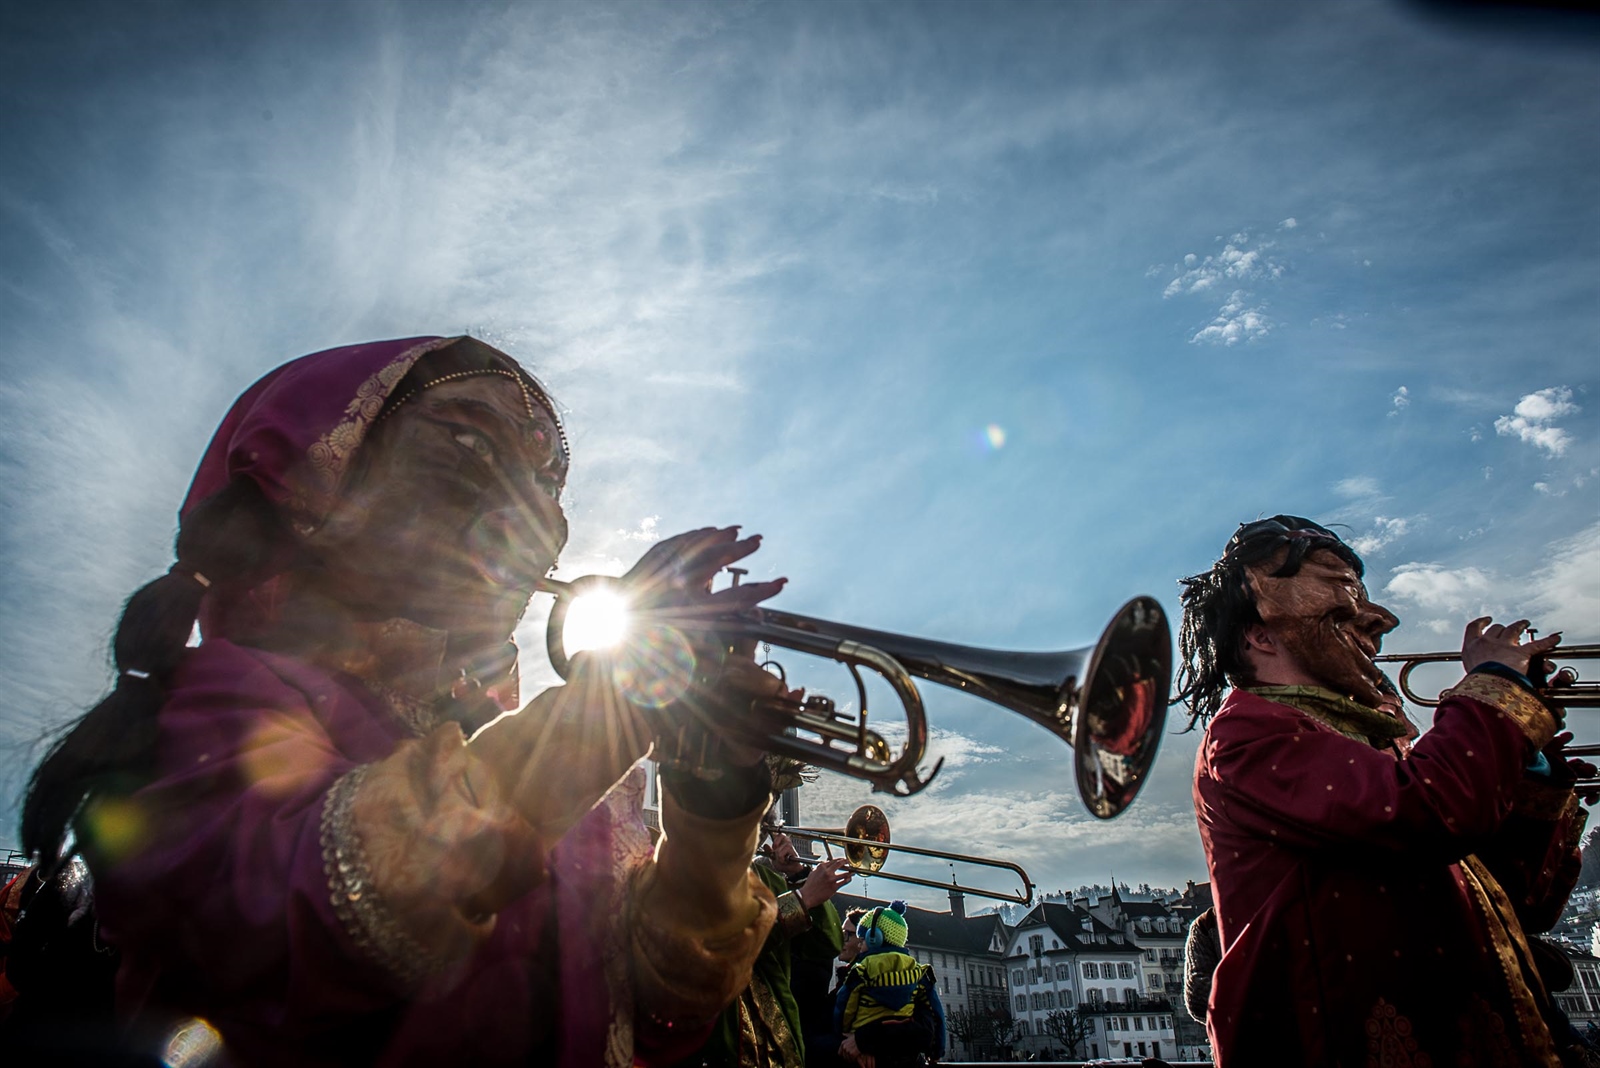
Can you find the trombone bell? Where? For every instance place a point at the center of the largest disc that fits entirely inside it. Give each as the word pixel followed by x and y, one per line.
pixel 865 840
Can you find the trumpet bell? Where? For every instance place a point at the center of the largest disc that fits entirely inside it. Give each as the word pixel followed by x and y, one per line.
pixel 1108 701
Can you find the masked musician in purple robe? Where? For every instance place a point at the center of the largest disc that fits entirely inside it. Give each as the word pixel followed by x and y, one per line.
pixel 1375 891
pixel 291 835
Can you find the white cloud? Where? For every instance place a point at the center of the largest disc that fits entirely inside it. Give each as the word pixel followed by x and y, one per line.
pixel 1288 224
pixel 646 530
pixel 1463 591
pixel 1234 263
pixel 1533 417
pixel 1384 532
pixel 1357 486
pixel 1234 323
pixel 1400 401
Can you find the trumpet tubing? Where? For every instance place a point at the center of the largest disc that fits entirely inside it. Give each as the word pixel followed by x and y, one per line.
pixel 1108 701
pixel 1577 695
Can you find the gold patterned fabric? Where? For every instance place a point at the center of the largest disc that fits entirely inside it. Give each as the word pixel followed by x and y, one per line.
pixel 1512 699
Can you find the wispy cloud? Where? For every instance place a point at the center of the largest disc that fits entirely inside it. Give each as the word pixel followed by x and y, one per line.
pixel 1533 420
pixel 1357 486
pixel 1400 401
pixel 1384 532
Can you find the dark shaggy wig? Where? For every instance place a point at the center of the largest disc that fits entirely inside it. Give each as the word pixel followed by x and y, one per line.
pixel 1218 608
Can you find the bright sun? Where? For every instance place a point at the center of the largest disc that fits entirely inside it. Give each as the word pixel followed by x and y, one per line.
pixel 596 620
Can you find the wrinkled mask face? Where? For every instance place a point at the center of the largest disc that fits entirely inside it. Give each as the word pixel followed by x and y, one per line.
pixel 1321 616
pixel 454 512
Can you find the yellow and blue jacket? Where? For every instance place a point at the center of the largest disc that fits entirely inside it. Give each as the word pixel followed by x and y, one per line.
pixel 888 984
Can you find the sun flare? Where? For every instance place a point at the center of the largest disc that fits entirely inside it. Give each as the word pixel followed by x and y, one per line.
pixel 596 620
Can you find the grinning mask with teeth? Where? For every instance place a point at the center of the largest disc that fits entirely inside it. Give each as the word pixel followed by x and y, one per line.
pixel 1322 617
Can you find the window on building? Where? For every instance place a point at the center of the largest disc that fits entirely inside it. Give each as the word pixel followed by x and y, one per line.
pixel 1022 1003
pixel 1155 981
pixel 1091 970
pixel 1088 1026
pixel 1093 994
pixel 1166 1023
pixel 1150 955
pixel 1067 999
pixel 1122 1023
pixel 1124 970
pixel 1138 1023
pixel 958 984
pixel 1152 1021
pixel 1016 977
pixel 1036 945
pixel 1022 1028
pixel 1130 995
pixel 1049 999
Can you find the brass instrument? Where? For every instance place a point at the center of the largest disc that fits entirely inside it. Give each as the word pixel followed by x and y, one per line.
pixel 865 841
pixel 1575 695
pixel 1108 700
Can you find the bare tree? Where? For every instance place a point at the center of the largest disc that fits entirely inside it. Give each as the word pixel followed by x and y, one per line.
pixel 1069 1027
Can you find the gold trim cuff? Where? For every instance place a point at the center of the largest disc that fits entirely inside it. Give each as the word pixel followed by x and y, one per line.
pixel 793 918
pixel 361 910
pixel 1536 721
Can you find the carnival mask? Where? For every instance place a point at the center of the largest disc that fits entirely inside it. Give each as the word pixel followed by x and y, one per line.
pixel 1321 616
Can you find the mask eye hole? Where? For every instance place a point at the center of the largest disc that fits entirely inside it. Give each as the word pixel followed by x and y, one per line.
pixel 475 443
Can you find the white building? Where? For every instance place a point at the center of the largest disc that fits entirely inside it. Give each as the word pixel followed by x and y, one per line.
pixel 1063 958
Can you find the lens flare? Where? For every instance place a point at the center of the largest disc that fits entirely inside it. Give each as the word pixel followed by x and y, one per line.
pixel 193 1044
pixel 656 668
pixel 596 621
pixel 117 825
pixel 995 435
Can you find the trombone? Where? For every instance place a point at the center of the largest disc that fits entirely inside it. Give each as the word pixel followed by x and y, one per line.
pixel 1108 701
pixel 865 841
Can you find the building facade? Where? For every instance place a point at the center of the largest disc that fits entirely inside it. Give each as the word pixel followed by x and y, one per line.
pixel 1078 988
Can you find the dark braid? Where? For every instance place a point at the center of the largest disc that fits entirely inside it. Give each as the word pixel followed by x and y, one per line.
pixel 1218 607
pixel 224 543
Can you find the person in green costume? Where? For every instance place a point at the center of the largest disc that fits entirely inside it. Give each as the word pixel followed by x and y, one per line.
pixel 765 1027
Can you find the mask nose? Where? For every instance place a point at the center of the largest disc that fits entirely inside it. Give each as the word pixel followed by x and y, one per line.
pixel 514 546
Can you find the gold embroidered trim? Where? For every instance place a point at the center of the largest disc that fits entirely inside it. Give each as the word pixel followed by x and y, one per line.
pixel 793 918
pixel 630 853
pixel 785 1045
pixel 1522 986
pixel 330 454
pixel 356 902
pixel 416 714
pixel 1540 800
pixel 1536 721
pixel 1390 1041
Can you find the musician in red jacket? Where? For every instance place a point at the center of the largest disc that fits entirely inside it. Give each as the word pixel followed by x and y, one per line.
pixel 1375 894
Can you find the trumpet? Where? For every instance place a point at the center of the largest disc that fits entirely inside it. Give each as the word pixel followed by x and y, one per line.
pixel 1575 694
pixel 1108 701
pixel 865 841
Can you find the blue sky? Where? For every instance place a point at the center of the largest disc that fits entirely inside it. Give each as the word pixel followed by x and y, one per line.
pixel 988 316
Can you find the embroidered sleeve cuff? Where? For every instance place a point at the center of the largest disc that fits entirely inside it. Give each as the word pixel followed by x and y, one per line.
pixel 793 918
pixel 1541 799
pixel 683 978
pixel 361 910
pixel 1510 699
